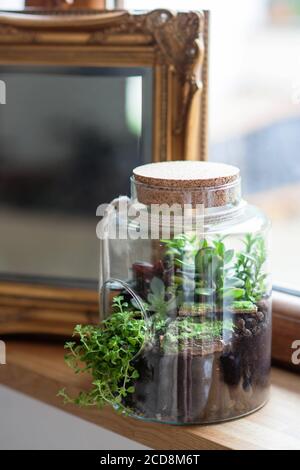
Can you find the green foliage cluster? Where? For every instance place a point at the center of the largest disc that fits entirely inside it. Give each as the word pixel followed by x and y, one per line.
pixel 248 267
pixel 181 333
pixel 160 300
pixel 106 353
pixel 207 269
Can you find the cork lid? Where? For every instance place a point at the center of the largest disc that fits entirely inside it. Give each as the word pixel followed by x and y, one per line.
pixel 182 182
pixel 186 174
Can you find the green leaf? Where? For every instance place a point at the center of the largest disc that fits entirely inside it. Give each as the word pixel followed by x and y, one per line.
pixel 245 305
pixel 152 299
pixel 234 293
pixel 249 257
pixel 220 248
pixel 234 282
pixel 228 256
pixel 248 285
pixel 179 262
pixel 167 242
pixel 157 286
pixel 205 291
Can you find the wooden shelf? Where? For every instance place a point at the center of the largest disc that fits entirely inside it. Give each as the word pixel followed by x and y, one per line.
pixel 39 371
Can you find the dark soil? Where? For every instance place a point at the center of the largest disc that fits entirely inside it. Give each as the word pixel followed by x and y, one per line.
pixel 198 385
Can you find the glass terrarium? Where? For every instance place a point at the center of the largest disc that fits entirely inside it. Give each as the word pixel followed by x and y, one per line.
pixel 184 273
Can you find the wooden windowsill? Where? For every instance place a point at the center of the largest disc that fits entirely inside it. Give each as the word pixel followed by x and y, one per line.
pixel 31 309
pixel 39 371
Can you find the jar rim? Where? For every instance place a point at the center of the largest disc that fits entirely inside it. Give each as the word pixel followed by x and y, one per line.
pixel 186 174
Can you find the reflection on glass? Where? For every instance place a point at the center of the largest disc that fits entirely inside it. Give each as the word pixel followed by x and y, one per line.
pixel 69 139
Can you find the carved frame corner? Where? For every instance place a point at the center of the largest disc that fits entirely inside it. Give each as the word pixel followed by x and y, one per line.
pixel 179 41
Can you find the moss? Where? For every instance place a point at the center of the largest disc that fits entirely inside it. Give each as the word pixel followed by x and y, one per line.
pixel 195 309
pixel 243 306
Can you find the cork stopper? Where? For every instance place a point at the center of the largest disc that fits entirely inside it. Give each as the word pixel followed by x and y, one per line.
pixel 187 182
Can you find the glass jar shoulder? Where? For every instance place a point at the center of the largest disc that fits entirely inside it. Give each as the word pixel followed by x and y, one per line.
pixel 248 219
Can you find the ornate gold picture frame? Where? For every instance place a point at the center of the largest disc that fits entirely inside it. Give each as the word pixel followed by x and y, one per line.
pixel 175 46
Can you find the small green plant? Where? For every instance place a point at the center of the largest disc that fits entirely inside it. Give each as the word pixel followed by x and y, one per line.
pixel 182 249
pixel 160 300
pixel 243 306
pixel 214 267
pixel 181 333
pixel 248 267
pixel 106 353
pixel 204 268
pixel 213 272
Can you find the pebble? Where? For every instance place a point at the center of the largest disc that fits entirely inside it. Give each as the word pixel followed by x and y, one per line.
pixel 235 336
pixel 260 316
pixel 247 332
pixel 264 304
pixel 250 323
pixel 240 323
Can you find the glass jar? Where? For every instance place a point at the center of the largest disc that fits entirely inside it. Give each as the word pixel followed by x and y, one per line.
pixel 195 280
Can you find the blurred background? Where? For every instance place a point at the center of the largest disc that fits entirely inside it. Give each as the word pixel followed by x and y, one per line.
pixel 254 123
pixel 254 107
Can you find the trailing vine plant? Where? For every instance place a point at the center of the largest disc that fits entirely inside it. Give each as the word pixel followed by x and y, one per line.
pixel 106 353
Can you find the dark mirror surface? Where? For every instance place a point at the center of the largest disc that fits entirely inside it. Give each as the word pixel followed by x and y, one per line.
pixel 69 138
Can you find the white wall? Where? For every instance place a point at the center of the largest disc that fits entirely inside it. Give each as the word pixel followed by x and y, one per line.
pixel 27 424
pixel 12 4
